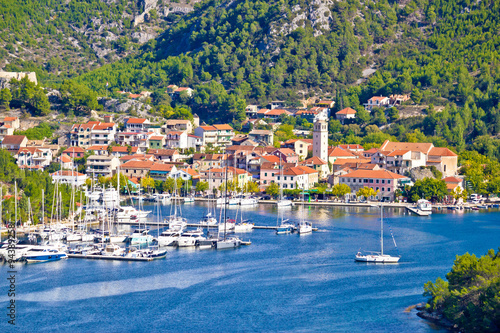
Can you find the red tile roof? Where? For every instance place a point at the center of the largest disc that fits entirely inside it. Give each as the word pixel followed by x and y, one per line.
pixel 299 170
pixel 413 146
pixel 315 160
pixel 272 158
pixel 208 128
pixel 67 173
pixel 398 153
pixel 136 120
pixel 163 152
pixel 437 151
pixel 223 127
pixel 374 174
pixel 97 148
pixel 161 167
pixel 13 139
pixel 347 111
pixel 452 180
pixel 138 165
pixel 65 158
pixel 74 150
pixel 336 151
pixel 123 149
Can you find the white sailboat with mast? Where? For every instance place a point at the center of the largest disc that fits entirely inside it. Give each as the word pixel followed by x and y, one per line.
pixel 304 227
pixel 379 257
pixel 226 242
pixel 282 202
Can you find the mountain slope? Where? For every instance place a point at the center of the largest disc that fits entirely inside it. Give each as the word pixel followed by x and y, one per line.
pixel 59 38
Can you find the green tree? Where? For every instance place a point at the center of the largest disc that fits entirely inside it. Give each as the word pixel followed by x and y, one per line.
pixel 5 98
pixel 367 192
pixel 202 186
pixel 147 183
pixel 78 98
pixel 393 114
pixel 340 190
pixel 251 187
pixel 273 190
pixel 429 189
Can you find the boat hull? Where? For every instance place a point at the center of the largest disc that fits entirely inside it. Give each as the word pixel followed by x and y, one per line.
pixel 45 258
pixel 227 244
pixel 383 259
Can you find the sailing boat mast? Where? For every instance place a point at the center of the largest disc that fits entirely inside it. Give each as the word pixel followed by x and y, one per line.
pixel 43 207
pixel 15 207
pixel 225 205
pixel 381 230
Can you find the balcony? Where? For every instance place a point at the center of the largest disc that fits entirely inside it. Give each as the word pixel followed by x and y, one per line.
pixel 90 170
pixel 99 163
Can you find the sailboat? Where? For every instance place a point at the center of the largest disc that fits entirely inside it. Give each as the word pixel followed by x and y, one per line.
pixel 243 225
pixel 188 198
pixel 282 202
pixel 378 257
pixel 304 227
pixel 226 242
pixel 284 227
pixel 175 220
pixel 209 218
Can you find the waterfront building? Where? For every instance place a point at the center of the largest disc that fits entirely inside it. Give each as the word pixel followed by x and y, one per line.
pixel 384 181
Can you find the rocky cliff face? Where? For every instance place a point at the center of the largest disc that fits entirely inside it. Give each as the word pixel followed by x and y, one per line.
pixel 101 38
pixel 316 13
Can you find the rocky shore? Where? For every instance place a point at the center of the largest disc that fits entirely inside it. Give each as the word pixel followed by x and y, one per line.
pixel 435 318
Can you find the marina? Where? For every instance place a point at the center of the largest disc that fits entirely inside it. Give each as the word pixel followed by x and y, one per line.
pixel 312 278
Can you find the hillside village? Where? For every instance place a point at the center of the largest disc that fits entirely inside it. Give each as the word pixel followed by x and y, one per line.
pixel 143 148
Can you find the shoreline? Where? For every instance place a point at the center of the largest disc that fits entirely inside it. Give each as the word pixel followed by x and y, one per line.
pixel 322 203
pixel 435 318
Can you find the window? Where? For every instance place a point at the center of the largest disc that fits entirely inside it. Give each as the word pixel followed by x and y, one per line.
pixel 265 174
pixel 377 181
pixel 383 181
pixel 383 189
pixel 444 168
pixel 388 181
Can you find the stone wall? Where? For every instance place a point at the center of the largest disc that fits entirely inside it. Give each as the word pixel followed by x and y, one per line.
pixel 18 76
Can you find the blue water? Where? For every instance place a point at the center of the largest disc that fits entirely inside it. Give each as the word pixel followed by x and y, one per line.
pixel 279 283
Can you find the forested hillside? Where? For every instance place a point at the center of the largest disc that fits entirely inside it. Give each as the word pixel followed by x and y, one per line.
pixel 444 53
pixel 60 39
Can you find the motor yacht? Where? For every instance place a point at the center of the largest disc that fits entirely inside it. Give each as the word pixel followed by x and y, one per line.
pixel 190 238
pixel 208 220
pixel 43 254
pixel 140 236
pixel 169 237
pixel 113 250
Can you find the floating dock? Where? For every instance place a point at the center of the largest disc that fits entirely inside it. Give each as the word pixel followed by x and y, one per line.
pixel 83 256
pixel 419 212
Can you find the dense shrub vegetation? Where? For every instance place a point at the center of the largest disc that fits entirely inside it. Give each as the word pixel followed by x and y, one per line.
pixel 471 296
